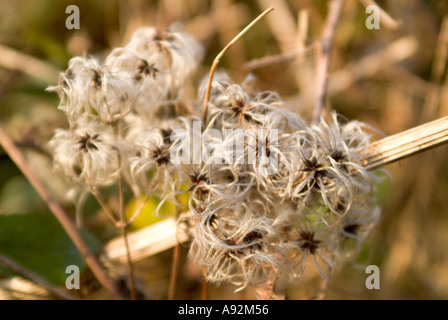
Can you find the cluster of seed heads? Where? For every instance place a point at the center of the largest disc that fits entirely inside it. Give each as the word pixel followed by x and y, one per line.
pixel 292 196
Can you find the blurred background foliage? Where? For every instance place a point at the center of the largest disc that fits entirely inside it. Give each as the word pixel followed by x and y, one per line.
pixel 393 78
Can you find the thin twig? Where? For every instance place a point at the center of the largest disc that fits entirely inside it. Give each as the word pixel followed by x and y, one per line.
pixel 79 218
pixel 323 61
pixel 278 58
pixel 303 18
pixel 174 272
pixel 175 262
pixel 219 56
pixel 139 210
pixel 124 224
pixel 14 266
pixel 204 295
pixel 432 99
pixel 60 215
pixel 104 205
pixel 268 292
pixel 124 234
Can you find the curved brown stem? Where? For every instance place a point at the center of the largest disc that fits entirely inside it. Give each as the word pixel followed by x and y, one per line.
pixel 323 62
pixel 219 56
pixel 174 272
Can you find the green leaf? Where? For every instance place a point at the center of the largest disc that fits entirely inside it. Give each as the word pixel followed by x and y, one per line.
pixel 38 243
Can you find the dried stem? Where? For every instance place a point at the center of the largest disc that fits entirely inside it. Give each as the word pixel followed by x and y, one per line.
pixel 60 215
pixel 14 266
pixel 268 292
pixel 278 58
pixel 139 211
pixel 146 242
pixel 124 234
pixel 323 61
pixel 175 263
pixel 124 224
pixel 174 272
pixel 204 284
pixel 223 51
pixel 406 143
pixel 104 205
pixel 434 94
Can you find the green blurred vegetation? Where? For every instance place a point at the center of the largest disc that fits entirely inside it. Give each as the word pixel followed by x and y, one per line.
pixel 37 241
pixel 409 244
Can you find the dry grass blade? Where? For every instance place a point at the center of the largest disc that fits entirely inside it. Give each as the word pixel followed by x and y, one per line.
pixel 278 58
pixel 146 242
pixel 219 56
pixel 406 143
pixel 433 97
pixel 282 24
pixel 14 60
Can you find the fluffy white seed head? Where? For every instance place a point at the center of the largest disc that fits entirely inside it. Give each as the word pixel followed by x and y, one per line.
pixel 265 188
pixel 87 154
